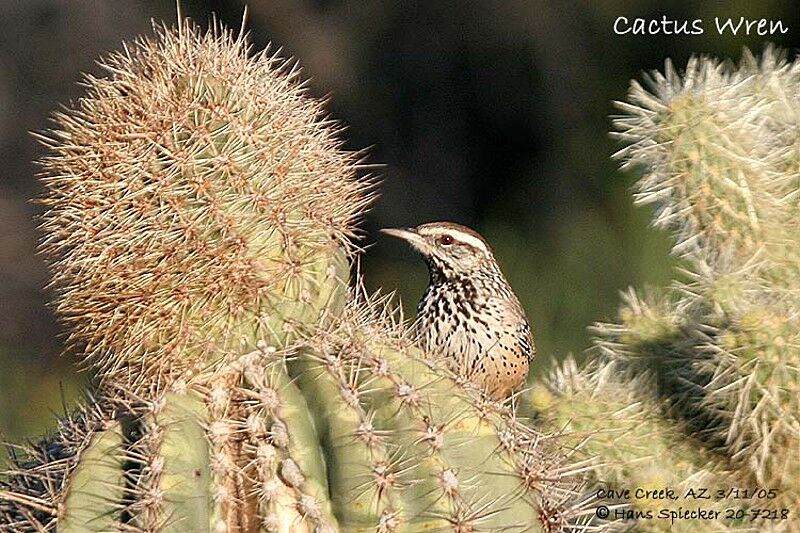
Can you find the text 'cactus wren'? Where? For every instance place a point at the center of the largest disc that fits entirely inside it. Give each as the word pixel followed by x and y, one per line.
pixel 469 314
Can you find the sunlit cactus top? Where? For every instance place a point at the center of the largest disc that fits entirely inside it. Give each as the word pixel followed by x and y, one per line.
pixel 719 148
pixel 198 200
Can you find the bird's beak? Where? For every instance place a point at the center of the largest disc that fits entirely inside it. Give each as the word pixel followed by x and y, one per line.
pixel 409 235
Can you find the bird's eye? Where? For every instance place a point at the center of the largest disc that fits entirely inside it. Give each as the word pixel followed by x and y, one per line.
pixel 446 240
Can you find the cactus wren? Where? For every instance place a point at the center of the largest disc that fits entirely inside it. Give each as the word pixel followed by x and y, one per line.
pixel 469 314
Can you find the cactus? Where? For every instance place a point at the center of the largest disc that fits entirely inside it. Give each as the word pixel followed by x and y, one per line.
pixel 348 429
pixel 638 450
pixel 175 227
pixel 697 384
pixel 200 210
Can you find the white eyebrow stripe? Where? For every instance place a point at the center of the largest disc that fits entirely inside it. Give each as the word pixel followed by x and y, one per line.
pixel 460 236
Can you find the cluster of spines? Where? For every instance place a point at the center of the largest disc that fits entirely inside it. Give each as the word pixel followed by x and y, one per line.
pixel 32 491
pixel 194 195
pixel 606 416
pixel 723 161
pixel 716 149
pixel 711 362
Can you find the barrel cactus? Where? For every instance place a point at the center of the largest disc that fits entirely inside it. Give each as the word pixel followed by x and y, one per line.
pixel 176 228
pixel 199 215
pixel 696 386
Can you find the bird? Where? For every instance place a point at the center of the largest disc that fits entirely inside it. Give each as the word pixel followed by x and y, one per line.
pixel 469 313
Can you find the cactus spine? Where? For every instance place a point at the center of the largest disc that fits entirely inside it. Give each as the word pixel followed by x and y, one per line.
pixel 699 382
pixel 200 211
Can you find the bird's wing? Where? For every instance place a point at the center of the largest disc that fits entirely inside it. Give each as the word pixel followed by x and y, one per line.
pixel 507 347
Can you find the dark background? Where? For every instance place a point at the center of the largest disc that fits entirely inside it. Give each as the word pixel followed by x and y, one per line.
pixel 491 113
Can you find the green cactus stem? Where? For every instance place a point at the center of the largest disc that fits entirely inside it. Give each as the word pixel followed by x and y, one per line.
pixel 413 446
pixel 636 450
pixel 74 479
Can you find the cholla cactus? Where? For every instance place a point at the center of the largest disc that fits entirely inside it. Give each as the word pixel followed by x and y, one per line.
pixel 198 224
pixel 711 366
pixel 610 420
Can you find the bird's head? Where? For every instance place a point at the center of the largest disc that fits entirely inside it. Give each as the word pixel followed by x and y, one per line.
pixel 451 250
